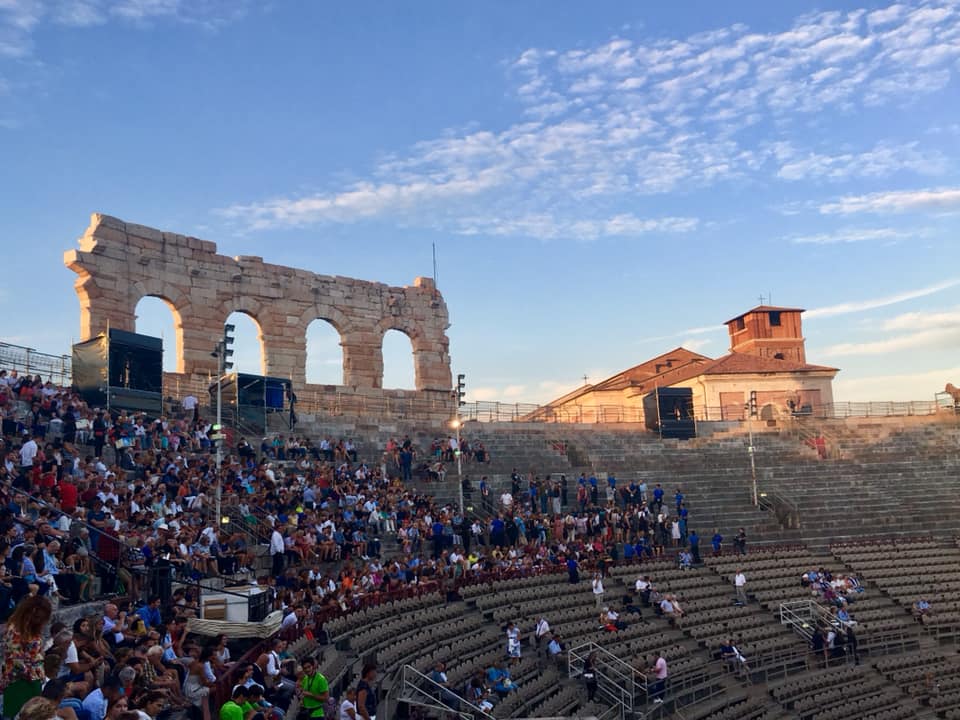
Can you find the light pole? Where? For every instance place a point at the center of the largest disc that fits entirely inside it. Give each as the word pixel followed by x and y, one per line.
pixel 750 452
pixel 222 353
pixel 456 424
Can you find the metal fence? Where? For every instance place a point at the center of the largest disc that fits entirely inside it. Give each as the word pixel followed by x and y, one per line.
pixel 335 401
pixel 27 361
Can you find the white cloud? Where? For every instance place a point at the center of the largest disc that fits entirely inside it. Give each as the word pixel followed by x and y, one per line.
pixel 943 338
pixel 926 330
pixel 547 227
pixel 896 201
pixel 19 19
pixel 897 388
pixel 883 160
pixel 871 304
pixel 939 320
pixel 604 127
pixel 696 344
pixel 854 235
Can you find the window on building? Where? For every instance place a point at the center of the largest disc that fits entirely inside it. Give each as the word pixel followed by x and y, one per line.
pixel 740 323
pixel 779 356
pixel 774 318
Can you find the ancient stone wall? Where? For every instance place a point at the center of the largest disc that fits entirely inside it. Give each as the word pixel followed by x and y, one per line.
pixel 119 263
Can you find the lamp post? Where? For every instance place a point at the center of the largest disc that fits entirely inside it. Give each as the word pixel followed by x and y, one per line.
pixel 456 424
pixel 750 452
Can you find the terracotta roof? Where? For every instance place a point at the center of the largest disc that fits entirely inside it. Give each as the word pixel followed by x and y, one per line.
pixel 764 308
pixel 649 374
pixel 742 363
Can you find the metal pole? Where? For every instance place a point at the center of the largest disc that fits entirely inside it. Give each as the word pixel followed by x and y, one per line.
pixel 459 466
pixel 753 465
pixel 219 442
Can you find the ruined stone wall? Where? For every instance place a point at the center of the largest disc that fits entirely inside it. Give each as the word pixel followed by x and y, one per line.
pixel 119 263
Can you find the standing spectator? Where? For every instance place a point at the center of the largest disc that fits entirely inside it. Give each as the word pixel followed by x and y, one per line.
pixel 740 542
pixel 513 642
pixel 277 550
pixel 99 436
pixel 367 694
pixel 659 687
pixel 314 688
pixel 192 406
pixel 292 401
pixel 598 589
pixel 717 543
pixel 740 583
pixel 23 653
pixel 695 547
pixel 590 675
pixel 658 498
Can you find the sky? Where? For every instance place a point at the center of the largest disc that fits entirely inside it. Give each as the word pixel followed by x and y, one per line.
pixel 602 181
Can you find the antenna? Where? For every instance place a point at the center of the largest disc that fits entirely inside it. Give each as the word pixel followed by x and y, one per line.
pixel 586 380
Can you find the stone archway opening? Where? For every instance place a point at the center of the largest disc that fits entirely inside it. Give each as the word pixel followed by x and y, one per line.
pixel 398 362
pixel 157 316
pixel 324 365
pixel 248 347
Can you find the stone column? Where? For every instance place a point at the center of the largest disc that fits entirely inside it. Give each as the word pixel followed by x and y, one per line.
pixel 362 360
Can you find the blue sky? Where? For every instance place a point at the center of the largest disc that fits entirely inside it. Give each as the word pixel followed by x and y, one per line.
pixel 603 181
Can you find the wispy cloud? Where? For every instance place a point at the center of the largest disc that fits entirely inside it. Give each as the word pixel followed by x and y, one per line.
pixel 943 338
pixel 896 201
pixel 19 19
pixel 855 235
pixel 899 387
pixel 547 227
pixel 856 306
pixel 883 160
pixel 605 127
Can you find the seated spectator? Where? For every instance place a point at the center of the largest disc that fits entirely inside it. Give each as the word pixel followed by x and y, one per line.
pixel 498 675
pixel 731 655
pixel 921 607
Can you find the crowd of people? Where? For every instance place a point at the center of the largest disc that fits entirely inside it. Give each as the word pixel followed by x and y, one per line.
pixel 94 498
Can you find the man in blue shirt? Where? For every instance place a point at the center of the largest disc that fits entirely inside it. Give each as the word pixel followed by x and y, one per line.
pixel 150 613
pixel 658 498
pixel 97 701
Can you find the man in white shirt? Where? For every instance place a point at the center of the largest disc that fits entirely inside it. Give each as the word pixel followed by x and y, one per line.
pixel 28 452
pixel 598 590
pixel 540 631
pixel 277 550
pixel 192 406
pixel 506 500
pixel 740 583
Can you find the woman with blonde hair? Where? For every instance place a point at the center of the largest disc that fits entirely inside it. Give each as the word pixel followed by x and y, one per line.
pixel 38 708
pixel 22 642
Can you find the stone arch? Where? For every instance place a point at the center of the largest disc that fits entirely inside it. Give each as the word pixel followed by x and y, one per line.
pixel 422 350
pixel 261 339
pixel 398 360
pixel 117 263
pixel 176 301
pixel 318 357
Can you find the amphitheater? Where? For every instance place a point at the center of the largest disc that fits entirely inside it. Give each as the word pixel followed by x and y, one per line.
pixel 871 496
pixel 882 506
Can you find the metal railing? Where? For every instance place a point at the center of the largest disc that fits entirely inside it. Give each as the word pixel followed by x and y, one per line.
pixel 55 368
pixel 419 689
pixel 616 678
pixel 804 616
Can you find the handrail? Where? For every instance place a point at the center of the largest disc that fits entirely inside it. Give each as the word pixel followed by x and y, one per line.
pixel 414 682
pixel 619 673
pixel 29 361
